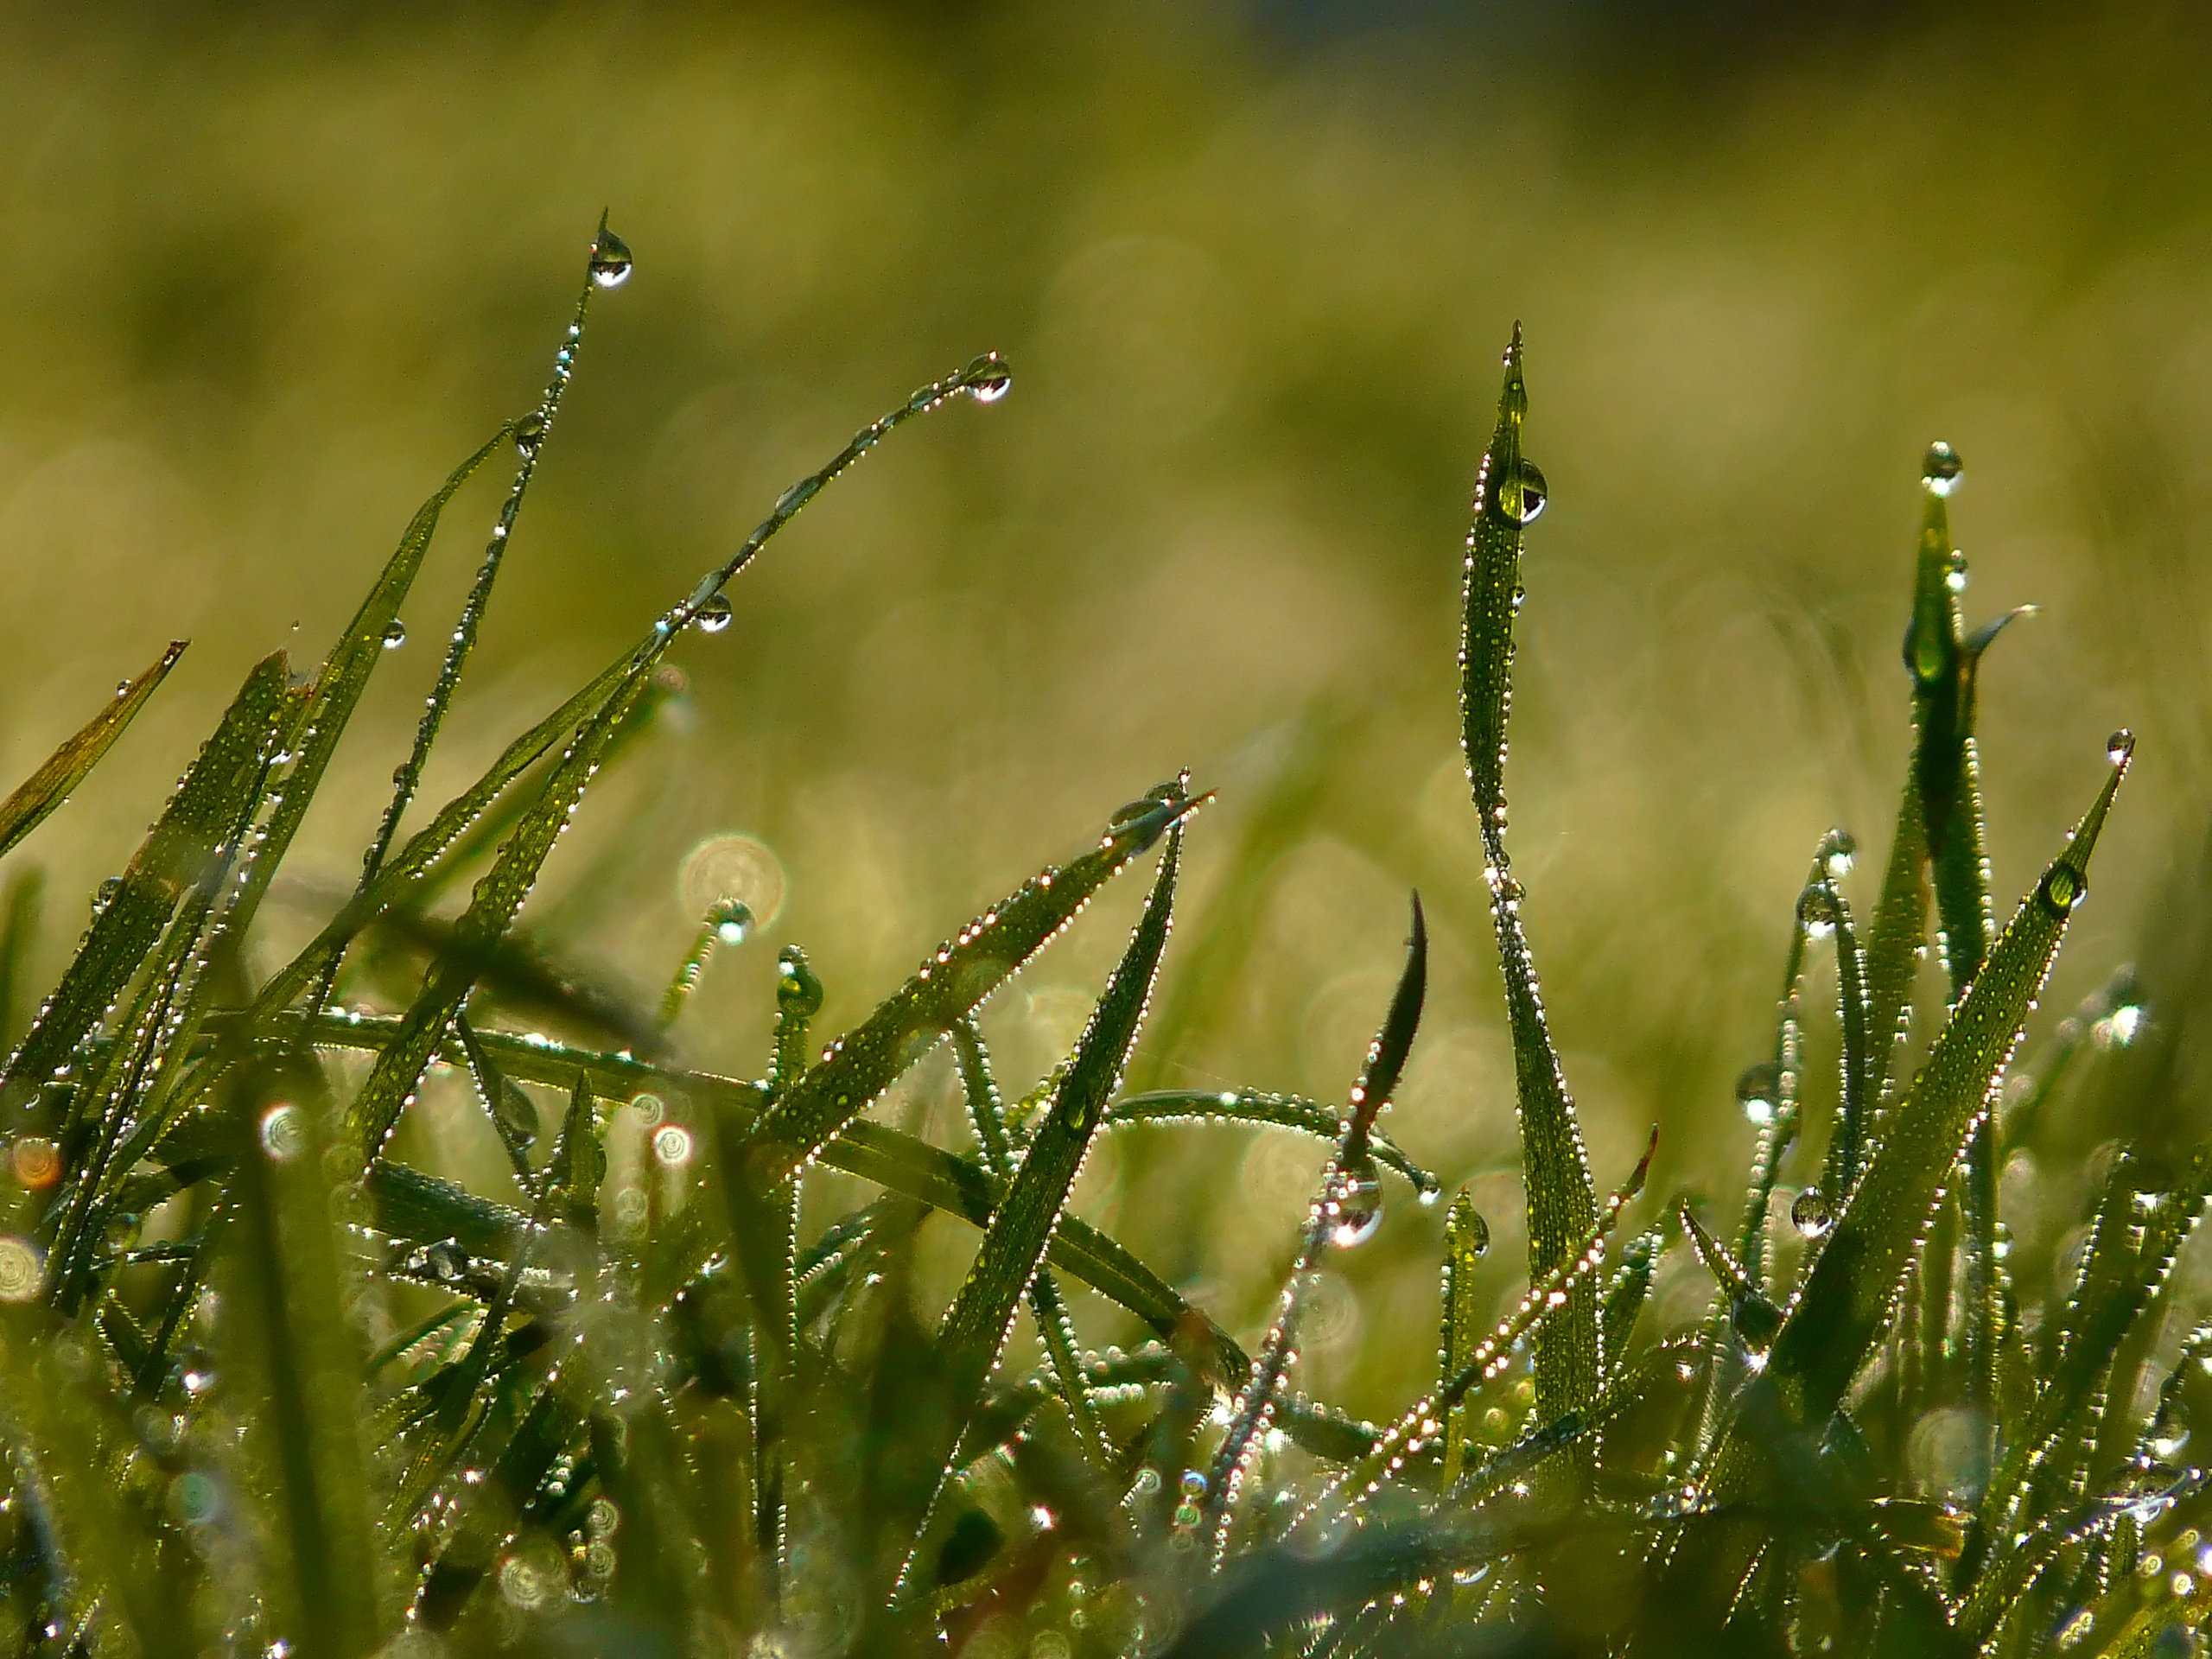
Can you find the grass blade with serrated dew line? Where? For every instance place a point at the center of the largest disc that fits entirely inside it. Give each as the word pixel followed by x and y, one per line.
pixel 1562 1204
pixel 46 788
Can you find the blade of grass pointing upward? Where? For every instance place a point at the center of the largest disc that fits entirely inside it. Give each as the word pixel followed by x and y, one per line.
pixel 975 1326
pixel 1562 1203
pixel 1846 1297
pixel 48 787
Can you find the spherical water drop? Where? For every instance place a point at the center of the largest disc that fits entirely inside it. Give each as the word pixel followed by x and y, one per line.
pixel 995 382
pixel 2120 746
pixel 610 261
pixel 1194 1483
pixel 530 432
pixel 1838 851
pixel 394 636
pixel 445 1261
pixel 715 615
pixel 1355 1198
pixel 1817 911
pixel 1954 574
pixel 1941 469
pixel 1758 1090
pixel 731 920
pixel 1809 1214
pixel 1532 495
pixel 105 895
pixel 2060 890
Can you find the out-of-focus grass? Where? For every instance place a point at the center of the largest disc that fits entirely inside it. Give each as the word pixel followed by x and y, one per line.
pixel 270 276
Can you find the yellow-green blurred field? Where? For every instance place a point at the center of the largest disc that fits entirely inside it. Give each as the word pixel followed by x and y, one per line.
pixel 273 274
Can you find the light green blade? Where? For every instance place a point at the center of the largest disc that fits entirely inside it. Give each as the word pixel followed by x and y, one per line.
pixel 48 787
pixel 1562 1203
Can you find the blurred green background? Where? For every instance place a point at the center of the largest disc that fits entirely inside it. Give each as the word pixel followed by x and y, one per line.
pixel 275 271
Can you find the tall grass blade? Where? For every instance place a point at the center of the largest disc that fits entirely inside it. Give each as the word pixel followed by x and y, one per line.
pixel 21 910
pixel 1467 1241
pixel 46 788
pixel 1562 1203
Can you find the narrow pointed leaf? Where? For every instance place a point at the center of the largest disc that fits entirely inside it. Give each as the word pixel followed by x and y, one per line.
pixel 1257 1106
pixel 46 788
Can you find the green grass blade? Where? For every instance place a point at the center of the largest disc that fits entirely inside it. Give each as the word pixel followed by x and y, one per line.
pixel 46 788
pixel 209 809
pixel 1894 944
pixel 1626 1294
pixel 21 911
pixel 345 676
pixel 1257 1106
pixel 1467 1241
pixel 1562 1203
pixel 1844 1303
pixel 860 1065
pixel 307 1372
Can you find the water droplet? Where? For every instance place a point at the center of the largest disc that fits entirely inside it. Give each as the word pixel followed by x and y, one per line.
pixel 610 260
pixel 445 1261
pixel 530 432
pixel 396 635
pixel 1355 1198
pixel 2119 746
pixel 1817 911
pixel 105 894
pixel 2060 890
pixel 731 920
pixel 284 1133
pixel 1809 1214
pixel 1941 469
pixel 37 1162
pixel 1838 848
pixel 712 616
pixel 1758 1090
pixel 1194 1483
pixel 1954 574
pixel 994 383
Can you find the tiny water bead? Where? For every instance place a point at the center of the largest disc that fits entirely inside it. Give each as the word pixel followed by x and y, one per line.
pixel 1758 1091
pixel 714 615
pixel 1353 1208
pixel 396 635
pixel 1941 469
pixel 1809 1215
pixel 1839 850
pixel 610 260
pixel 2119 746
pixel 530 432
pixel 1954 575
pixel 1817 911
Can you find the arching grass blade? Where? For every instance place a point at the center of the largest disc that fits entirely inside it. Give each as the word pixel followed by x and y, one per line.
pixel 46 788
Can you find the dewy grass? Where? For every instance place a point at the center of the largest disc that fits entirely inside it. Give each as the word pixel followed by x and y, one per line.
pixel 649 1414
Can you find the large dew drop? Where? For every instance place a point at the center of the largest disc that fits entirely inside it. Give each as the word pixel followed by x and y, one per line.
pixel 1809 1214
pixel 1817 911
pixel 2119 746
pixel 712 616
pixel 1355 1204
pixel 994 383
pixel 530 432
pixel 610 260
pixel 394 636
pixel 1941 469
pixel 1758 1090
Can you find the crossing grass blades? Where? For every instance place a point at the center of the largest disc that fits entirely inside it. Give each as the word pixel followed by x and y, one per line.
pixel 268 1389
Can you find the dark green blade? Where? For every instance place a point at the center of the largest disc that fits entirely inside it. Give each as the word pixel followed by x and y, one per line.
pixel 1894 943
pixel 860 1065
pixel 1257 1106
pixel 209 811
pixel 48 787
pixel 1562 1203
pixel 1846 1297
pixel 1467 1241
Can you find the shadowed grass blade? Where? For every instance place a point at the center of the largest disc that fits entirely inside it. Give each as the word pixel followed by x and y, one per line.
pixel 20 912
pixel 209 812
pixel 48 787
pixel 869 1058
pixel 1847 1296
pixel 1562 1203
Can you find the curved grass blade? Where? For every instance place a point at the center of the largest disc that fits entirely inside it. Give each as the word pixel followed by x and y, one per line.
pixel 1836 1318
pixel 209 812
pixel 860 1065
pixel 1257 1106
pixel 46 789
pixel 1562 1203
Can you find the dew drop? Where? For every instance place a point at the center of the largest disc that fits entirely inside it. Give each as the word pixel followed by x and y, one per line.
pixel 1941 469
pixel 610 260
pixel 1194 1483
pixel 445 1261
pixel 1838 849
pixel 2119 746
pixel 1817 911
pixel 994 383
pixel 396 635
pixel 712 616
pixel 2060 890
pixel 1954 574
pixel 1355 1198
pixel 732 919
pixel 1809 1214
pixel 530 432
pixel 1758 1090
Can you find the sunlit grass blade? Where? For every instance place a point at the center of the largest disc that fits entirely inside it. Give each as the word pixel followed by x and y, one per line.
pixel 1847 1296
pixel 1562 1203
pixel 1894 944
pixel 1467 1241
pixel 1016 1243
pixel 209 811
pixel 1625 1294
pixel 1345 1210
pixel 860 1065
pixel 1542 1302
pixel 1847 1142
pixel 48 787
pixel 294 1343
pixel 1257 1106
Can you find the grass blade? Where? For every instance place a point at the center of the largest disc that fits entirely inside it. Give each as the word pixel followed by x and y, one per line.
pixel 1467 1241
pixel 1847 1296
pixel 860 1065
pixel 46 788
pixel 1257 1106
pixel 1562 1203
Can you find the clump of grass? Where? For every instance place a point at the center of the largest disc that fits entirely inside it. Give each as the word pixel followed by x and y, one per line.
pixel 270 1388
